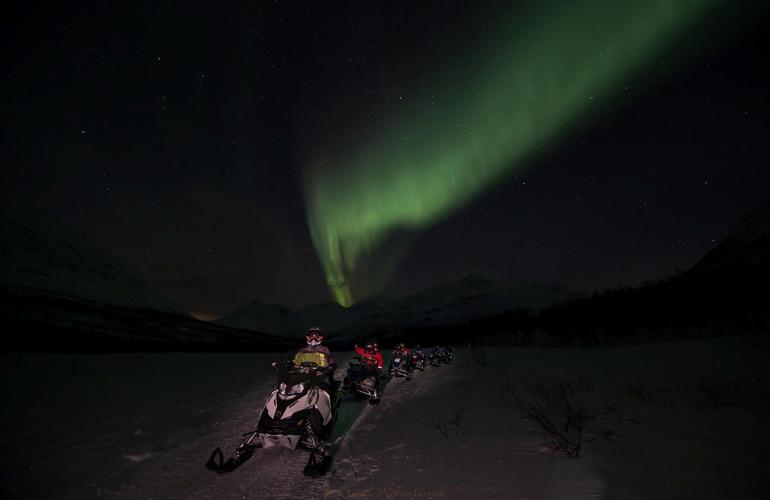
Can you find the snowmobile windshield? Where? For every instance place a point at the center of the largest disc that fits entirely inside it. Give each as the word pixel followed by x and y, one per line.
pixel 291 378
pixel 294 375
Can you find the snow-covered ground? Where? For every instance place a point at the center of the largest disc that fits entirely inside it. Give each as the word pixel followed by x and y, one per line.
pixel 79 426
pixel 690 420
pixel 140 425
pixel 680 446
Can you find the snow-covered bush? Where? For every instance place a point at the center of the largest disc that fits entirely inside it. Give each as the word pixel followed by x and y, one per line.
pixel 720 394
pixel 642 390
pixel 560 414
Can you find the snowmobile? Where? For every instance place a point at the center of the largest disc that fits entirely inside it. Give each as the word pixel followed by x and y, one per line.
pixel 399 367
pixel 362 379
pixel 446 356
pixel 300 412
pixel 417 360
pixel 434 358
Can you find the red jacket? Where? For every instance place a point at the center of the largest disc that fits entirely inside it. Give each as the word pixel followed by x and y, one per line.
pixel 370 359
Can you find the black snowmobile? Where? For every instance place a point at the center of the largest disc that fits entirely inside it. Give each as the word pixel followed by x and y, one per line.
pixel 363 379
pixel 434 358
pixel 417 360
pixel 300 412
pixel 399 366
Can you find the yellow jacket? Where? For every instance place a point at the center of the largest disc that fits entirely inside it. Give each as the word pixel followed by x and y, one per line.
pixel 316 357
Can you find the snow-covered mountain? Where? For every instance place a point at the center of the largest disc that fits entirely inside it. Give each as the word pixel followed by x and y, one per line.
pixel 460 302
pixel 37 254
pixel 59 291
pixel 470 298
pixel 747 246
pixel 258 316
pixel 280 320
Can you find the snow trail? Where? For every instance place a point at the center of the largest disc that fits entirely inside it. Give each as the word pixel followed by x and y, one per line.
pixel 273 473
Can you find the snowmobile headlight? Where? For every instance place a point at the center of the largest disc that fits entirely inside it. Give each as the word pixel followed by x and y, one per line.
pixel 297 389
pixel 282 388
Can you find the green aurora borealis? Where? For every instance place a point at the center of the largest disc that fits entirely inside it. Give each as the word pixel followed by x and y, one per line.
pixel 537 75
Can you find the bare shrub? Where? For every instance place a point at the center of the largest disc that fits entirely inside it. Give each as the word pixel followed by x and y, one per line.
pixel 448 426
pixel 553 407
pixel 732 393
pixel 643 391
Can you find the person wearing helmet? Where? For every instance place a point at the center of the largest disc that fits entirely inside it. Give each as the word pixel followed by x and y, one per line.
pixel 417 358
pixel 316 353
pixel 401 350
pixel 370 354
pixel 402 353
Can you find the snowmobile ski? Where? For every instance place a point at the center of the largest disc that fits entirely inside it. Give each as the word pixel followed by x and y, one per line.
pixel 244 452
pixel 318 464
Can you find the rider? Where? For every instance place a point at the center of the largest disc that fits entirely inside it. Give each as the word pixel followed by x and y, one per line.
pixel 370 354
pixel 368 368
pixel 435 353
pixel 401 352
pixel 316 353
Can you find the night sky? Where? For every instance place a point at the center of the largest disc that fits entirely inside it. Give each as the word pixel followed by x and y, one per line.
pixel 229 152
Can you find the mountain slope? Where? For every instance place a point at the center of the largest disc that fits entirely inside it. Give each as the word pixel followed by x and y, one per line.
pixel 470 298
pixel 282 321
pixel 747 246
pixel 37 254
pixel 258 316
pixel 458 303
